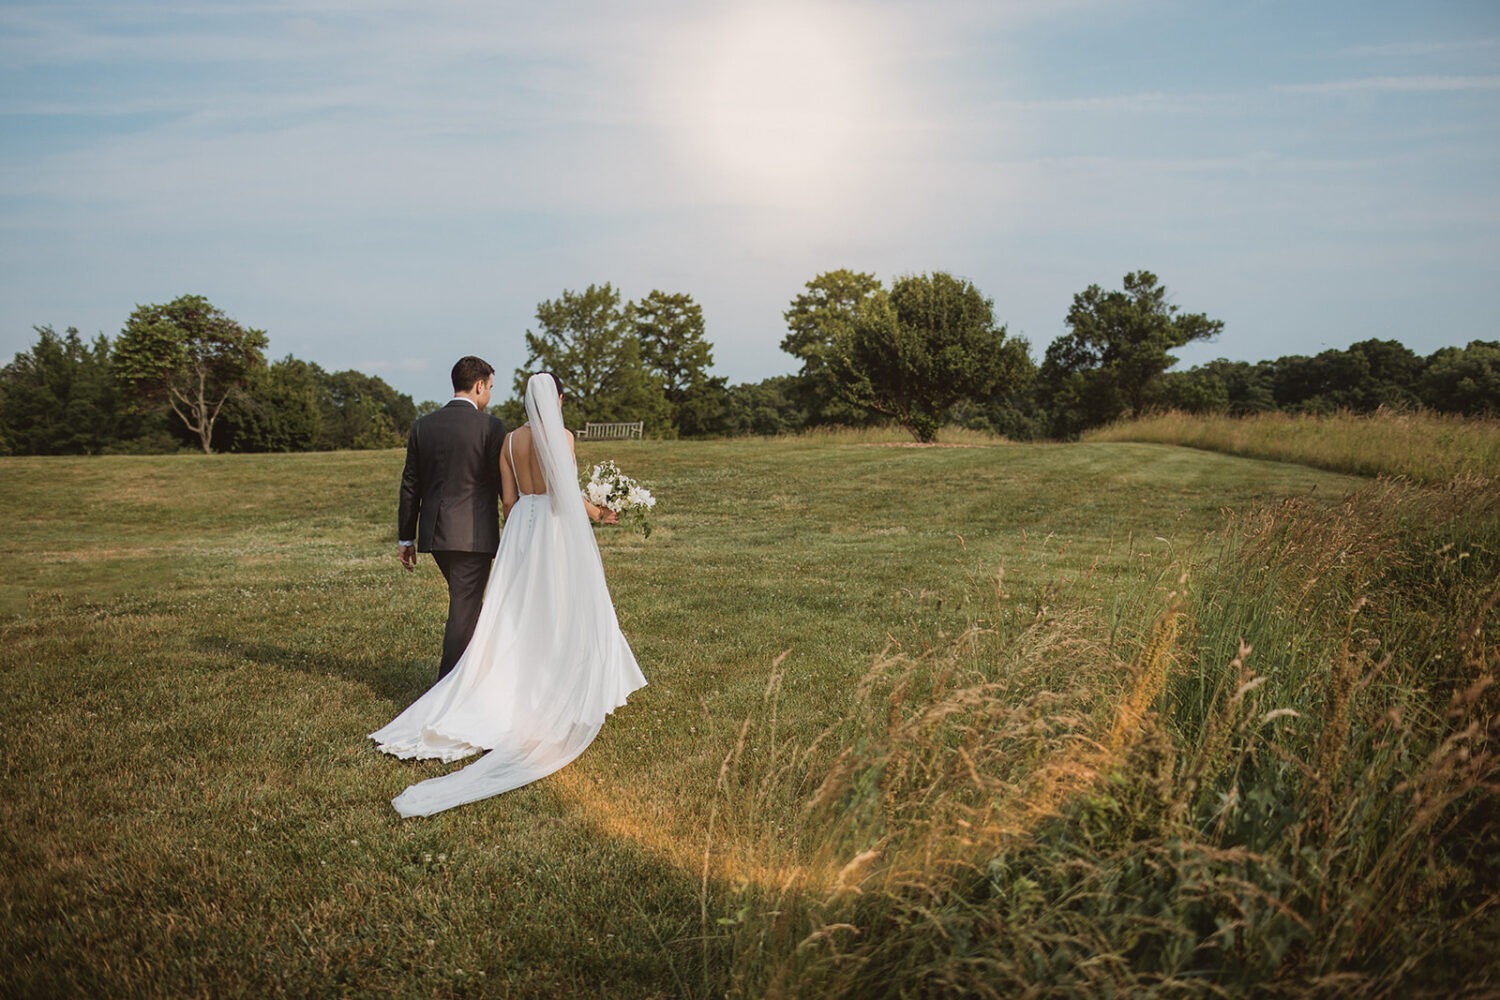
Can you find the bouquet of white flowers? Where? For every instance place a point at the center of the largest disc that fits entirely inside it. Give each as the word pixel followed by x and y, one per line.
pixel 610 488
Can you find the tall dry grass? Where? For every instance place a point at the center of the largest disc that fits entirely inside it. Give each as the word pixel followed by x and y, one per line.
pixel 1420 445
pixel 1283 780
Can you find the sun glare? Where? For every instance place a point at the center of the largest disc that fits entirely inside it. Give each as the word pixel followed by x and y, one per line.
pixel 775 100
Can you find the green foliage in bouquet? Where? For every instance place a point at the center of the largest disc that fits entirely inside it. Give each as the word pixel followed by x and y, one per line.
pixel 610 488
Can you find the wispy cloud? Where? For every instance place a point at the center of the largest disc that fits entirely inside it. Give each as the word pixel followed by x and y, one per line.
pixel 1149 102
pixel 1395 85
pixel 1429 48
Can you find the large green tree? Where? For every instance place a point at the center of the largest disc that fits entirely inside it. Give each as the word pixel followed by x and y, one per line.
pixel 1368 375
pixel 587 339
pixel 1219 386
pixel 362 411
pixel 766 408
pixel 819 323
pixel 931 341
pixel 280 410
pixel 1194 391
pixel 674 349
pixel 1010 409
pixel 1118 347
pixel 58 397
pixel 1463 379
pixel 189 356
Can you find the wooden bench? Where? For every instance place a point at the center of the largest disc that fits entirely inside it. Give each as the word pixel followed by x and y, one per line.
pixel 619 431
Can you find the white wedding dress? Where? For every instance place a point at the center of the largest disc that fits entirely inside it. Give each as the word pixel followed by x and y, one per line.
pixel 547 662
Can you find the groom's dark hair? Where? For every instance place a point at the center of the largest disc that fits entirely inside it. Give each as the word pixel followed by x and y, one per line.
pixel 468 371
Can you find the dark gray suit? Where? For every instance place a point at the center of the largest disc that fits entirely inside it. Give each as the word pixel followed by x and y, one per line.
pixel 450 504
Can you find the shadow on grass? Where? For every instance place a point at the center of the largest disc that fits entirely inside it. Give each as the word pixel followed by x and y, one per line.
pixel 399 681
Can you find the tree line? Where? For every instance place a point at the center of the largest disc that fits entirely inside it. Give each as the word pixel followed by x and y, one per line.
pixel 927 350
pixel 184 375
pixel 923 352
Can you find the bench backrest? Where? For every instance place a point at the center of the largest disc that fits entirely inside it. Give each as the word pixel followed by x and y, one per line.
pixel 616 431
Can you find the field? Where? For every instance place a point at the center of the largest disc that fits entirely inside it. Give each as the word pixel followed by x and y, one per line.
pixel 1420 445
pixel 920 720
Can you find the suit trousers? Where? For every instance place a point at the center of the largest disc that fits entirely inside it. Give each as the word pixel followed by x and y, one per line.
pixel 466 573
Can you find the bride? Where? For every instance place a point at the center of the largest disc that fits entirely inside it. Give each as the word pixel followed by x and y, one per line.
pixel 548 661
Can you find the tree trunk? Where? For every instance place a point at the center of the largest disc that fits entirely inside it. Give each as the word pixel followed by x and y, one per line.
pixel 201 421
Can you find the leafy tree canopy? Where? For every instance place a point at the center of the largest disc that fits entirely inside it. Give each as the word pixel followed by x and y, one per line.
pixel 279 409
pixel 189 356
pixel 926 344
pixel 587 339
pixel 820 317
pixel 1118 346
pixel 1463 379
pixel 674 349
pixel 766 408
pixel 362 411
pixel 58 397
pixel 1367 376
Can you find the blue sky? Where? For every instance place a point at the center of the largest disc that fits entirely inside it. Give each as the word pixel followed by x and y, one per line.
pixel 389 185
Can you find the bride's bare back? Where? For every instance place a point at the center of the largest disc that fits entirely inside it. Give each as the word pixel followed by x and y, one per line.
pixel 521 473
pixel 524 464
pixel 520 469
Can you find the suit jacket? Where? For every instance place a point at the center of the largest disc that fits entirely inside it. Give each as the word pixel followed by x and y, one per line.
pixel 450 487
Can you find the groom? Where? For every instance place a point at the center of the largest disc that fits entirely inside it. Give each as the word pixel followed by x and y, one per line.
pixel 450 498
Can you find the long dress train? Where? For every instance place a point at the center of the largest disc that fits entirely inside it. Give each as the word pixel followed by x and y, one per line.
pixel 547 662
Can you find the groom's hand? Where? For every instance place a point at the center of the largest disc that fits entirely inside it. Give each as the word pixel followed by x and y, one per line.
pixel 408 557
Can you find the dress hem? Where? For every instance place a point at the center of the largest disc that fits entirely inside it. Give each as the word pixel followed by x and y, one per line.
pixel 414 749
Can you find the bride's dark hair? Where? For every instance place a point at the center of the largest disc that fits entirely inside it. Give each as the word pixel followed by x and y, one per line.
pixel 555 381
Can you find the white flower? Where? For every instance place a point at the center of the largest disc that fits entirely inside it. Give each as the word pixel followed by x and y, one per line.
pixel 639 496
pixel 610 488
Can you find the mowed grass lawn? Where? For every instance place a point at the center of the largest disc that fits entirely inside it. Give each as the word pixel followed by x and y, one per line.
pixel 192 650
